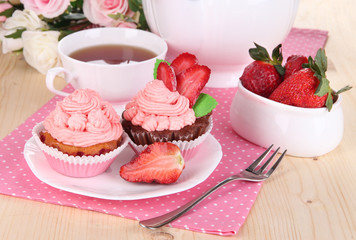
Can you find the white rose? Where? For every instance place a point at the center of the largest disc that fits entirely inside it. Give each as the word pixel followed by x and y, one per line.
pixel 19 19
pixel 10 44
pixel 26 19
pixel 40 49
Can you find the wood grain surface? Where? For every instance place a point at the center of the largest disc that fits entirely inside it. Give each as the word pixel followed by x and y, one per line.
pixel 309 198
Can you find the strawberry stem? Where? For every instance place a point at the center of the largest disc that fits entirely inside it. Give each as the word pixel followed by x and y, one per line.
pixel 261 54
pixel 319 66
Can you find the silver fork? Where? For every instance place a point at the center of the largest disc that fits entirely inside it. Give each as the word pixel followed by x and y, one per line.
pixel 252 173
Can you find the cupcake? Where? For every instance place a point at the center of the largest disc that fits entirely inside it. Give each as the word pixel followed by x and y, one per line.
pixel 82 136
pixel 171 108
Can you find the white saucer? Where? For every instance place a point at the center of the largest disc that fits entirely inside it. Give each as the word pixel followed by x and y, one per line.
pixel 110 185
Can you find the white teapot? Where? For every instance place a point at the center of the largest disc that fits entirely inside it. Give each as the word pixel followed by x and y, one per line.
pixel 220 32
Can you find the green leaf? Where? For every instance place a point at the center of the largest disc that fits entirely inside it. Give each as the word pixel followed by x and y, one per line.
pixel 135 5
pixel 344 89
pixel 321 61
pixel 142 21
pixel 158 61
pixel 329 102
pixel 7 13
pixel 259 53
pixel 16 34
pixel 281 70
pixel 323 87
pixel 204 105
pixel 305 65
pixel 74 16
pixel 277 56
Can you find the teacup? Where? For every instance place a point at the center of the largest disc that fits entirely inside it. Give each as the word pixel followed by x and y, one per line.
pixel 116 83
pixel 220 33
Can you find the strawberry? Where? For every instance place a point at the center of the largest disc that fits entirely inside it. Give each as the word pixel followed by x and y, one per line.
pixel 309 86
pixel 183 61
pixel 298 90
pixel 167 75
pixel 191 81
pixel 264 74
pixel 160 162
pixel 293 64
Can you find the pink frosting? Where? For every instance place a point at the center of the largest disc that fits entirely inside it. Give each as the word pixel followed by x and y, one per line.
pixel 83 119
pixel 156 108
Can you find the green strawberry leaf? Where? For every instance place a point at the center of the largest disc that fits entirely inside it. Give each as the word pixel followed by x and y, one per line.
pixel 277 56
pixel 158 61
pixel 344 89
pixel 321 61
pixel 281 70
pixel 204 105
pixel 323 87
pixel 259 53
pixel 329 102
pixel 319 65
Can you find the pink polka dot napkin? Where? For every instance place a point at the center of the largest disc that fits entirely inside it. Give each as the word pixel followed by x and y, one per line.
pixel 222 213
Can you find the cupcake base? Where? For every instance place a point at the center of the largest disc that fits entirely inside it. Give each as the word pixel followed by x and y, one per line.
pixel 188 147
pixel 77 166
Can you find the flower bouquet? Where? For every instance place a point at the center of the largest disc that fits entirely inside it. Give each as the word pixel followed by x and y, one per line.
pixel 34 27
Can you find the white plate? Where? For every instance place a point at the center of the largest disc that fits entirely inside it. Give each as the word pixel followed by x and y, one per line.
pixel 109 185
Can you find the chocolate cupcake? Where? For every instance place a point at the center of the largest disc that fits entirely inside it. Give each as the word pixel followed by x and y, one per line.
pixel 171 110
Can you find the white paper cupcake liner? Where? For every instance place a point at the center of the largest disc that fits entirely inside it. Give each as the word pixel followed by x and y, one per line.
pixel 188 148
pixel 76 166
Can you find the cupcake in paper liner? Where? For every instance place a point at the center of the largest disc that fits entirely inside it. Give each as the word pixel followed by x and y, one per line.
pixel 165 111
pixel 82 136
pixel 191 138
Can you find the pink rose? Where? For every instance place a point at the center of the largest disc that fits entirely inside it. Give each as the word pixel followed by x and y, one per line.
pixel 48 8
pixel 98 11
pixel 3 7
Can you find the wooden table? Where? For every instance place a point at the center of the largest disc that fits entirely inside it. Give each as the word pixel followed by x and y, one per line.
pixel 314 199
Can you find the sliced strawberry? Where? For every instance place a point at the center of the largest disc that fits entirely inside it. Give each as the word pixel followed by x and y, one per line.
pixel 183 62
pixel 191 81
pixel 166 74
pixel 160 162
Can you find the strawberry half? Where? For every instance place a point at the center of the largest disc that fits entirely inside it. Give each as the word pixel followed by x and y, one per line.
pixel 167 75
pixel 183 62
pixel 191 81
pixel 160 162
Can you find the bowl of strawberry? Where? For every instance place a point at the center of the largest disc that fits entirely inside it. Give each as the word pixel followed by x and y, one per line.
pixel 291 106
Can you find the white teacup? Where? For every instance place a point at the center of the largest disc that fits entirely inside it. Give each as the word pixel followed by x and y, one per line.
pixel 220 32
pixel 116 83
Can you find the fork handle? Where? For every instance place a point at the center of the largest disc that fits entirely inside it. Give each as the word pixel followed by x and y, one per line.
pixel 164 219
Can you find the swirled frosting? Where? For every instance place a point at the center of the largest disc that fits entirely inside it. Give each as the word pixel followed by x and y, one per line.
pixel 83 119
pixel 156 108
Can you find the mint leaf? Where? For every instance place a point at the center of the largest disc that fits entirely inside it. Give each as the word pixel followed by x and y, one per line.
pixel 158 61
pixel 204 105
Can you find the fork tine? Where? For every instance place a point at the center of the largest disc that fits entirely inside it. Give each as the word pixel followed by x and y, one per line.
pixel 259 159
pixel 265 165
pixel 276 164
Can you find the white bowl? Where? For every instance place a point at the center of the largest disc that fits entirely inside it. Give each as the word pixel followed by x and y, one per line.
pixel 220 32
pixel 304 132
